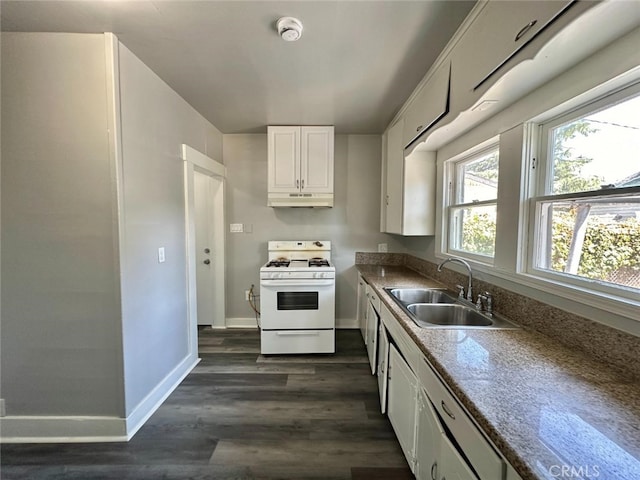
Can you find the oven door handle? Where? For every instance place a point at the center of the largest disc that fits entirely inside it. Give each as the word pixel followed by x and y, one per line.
pixel 298 283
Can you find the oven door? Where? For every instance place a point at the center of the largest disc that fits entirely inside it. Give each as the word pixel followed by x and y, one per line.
pixel 297 304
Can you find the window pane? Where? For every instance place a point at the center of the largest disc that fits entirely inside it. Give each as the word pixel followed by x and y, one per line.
pixel 473 229
pixel 596 238
pixel 599 149
pixel 477 179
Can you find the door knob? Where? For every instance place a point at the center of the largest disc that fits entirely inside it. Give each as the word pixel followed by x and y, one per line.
pixel 207 261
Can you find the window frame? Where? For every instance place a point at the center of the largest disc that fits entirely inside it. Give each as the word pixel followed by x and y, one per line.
pixel 453 184
pixel 539 193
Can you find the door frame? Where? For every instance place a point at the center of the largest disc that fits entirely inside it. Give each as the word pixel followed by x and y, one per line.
pixel 196 161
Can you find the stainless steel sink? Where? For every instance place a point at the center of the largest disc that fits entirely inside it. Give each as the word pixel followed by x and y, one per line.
pixel 448 315
pixel 439 308
pixel 433 315
pixel 407 296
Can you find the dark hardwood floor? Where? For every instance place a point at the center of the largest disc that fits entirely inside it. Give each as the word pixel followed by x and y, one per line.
pixel 243 416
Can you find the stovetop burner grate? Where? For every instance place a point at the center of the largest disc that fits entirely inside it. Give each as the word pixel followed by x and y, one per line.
pixel 278 263
pixel 318 262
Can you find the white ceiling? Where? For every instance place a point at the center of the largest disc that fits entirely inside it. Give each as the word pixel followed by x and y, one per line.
pixel 354 67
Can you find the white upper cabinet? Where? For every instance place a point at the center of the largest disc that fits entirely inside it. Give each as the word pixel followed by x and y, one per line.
pixel 284 159
pixel 500 31
pixel 429 105
pixel 300 164
pixel 316 160
pixel 408 206
pixel 393 188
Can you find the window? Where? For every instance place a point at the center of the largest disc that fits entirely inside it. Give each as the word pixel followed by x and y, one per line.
pixel 473 184
pixel 586 216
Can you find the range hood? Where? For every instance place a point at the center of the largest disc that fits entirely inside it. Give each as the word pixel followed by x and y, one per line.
pixel 300 200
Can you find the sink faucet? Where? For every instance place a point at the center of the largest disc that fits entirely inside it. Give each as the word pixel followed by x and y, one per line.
pixel 468 267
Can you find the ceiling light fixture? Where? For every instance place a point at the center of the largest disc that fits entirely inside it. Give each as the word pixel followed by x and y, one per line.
pixel 289 28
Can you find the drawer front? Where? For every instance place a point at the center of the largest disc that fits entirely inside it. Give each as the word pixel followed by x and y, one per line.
pixel 476 448
pixel 401 338
pixel 297 341
pixel 373 298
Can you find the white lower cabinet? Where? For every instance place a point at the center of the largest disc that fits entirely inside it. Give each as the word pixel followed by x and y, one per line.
pixel 383 364
pixel 372 325
pixel 436 456
pixel 361 310
pixel 481 456
pixel 429 435
pixel 403 387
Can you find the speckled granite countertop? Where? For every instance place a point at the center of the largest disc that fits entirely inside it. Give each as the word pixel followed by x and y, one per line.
pixel 552 412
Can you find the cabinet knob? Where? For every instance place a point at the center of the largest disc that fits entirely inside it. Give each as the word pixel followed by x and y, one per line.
pixel 524 30
pixel 207 261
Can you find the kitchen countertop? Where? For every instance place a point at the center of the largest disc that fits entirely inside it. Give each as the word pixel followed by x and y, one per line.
pixel 552 412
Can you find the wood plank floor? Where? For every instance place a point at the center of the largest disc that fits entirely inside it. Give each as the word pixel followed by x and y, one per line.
pixel 243 416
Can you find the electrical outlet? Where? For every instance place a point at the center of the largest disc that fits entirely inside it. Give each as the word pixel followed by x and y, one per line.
pixel 246 295
pixel 382 247
pixel 236 227
pixel 161 257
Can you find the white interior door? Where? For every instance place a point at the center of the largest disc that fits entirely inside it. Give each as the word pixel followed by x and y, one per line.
pixel 209 236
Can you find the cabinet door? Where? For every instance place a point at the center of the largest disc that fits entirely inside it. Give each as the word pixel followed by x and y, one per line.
pixel 383 363
pixel 373 322
pixel 429 105
pixel 500 31
pixel 361 314
pixel 283 159
pixel 429 435
pixel 395 177
pixel 402 403
pixel 316 160
pixel 454 467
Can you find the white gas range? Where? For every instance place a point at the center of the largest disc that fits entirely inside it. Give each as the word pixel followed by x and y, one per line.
pixel 297 298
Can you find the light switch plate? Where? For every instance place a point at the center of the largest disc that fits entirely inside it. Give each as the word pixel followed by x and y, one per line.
pixel 236 228
pixel 161 257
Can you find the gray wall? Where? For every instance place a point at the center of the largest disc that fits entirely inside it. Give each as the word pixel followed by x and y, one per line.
pixel 72 343
pixel 353 224
pixel 61 347
pixel 155 122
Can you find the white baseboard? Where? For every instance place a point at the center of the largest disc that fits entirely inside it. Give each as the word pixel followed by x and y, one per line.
pixel 239 322
pixel 88 429
pixel 62 429
pixel 146 408
pixel 347 323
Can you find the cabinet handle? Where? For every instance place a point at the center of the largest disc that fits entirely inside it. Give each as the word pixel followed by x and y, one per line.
pixel 525 29
pixel 418 128
pixel 297 183
pixel 387 199
pixel 434 470
pixel 303 184
pixel 446 410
